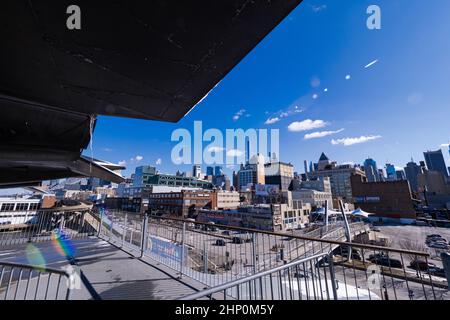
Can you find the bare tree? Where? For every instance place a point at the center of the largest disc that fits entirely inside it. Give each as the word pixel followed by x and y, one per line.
pixel 412 245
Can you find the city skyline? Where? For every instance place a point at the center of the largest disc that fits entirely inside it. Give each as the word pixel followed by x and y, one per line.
pixel 296 81
pixel 327 83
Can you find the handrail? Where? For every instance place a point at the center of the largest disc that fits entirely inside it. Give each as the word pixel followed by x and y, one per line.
pixel 237 282
pixel 341 243
pixel 34 267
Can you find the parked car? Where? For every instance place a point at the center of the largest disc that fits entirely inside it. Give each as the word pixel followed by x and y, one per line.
pixel 226 233
pixel 431 240
pixel 437 272
pixel 220 243
pixel 385 261
pixel 343 251
pixel 442 246
pixel 434 236
pixel 421 265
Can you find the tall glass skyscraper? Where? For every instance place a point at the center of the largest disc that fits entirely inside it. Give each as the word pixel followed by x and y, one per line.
pixel 218 171
pixel 412 171
pixel 371 170
pixel 435 162
pixel 391 172
pixel 209 171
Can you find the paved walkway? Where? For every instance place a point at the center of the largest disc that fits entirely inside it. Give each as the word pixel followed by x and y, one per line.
pixel 112 273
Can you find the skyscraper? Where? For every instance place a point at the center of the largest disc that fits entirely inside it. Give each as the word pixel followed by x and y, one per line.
pixel 209 171
pixel 400 175
pixel 435 162
pixel 197 171
pixel 371 170
pixel 218 171
pixel 412 171
pixel 391 172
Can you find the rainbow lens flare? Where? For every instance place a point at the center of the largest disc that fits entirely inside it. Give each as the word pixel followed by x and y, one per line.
pixel 35 257
pixel 62 244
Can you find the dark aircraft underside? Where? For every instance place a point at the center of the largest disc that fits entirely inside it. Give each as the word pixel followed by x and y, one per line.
pixel 151 60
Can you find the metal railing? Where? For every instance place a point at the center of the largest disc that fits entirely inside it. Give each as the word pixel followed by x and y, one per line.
pixel 216 255
pixel 26 282
pixel 41 227
pixel 299 280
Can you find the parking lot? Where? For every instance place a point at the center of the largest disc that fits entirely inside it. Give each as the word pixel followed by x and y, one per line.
pixel 398 234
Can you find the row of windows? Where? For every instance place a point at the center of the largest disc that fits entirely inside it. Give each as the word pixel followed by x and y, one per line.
pixel 19 207
pixel 16 215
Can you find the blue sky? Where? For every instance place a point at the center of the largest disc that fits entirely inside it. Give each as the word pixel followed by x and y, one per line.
pixel 400 105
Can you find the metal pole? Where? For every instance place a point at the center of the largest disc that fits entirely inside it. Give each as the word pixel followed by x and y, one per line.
pixel 446 263
pixel 347 230
pixel 183 237
pixel 205 258
pixel 101 224
pixel 124 229
pixel 144 235
pixel 332 276
pixel 254 261
pixel 61 222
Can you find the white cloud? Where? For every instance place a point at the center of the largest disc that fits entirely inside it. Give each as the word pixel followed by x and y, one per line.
pixel 306 125
pixel 315 96
pixel 445 145
pixel 158 162
pixel 107 149
pixel 325 90
pixel 272 120
pixel 278 116
pixel 239 114
pixel 352 141
pixel 137 158
pixel 321 134
pixel 122 163
pixel 318 8
pixel 371 64
pixel 234 153
pixel 348 77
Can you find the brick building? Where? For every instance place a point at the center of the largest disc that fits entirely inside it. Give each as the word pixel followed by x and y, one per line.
pixel 183 204
pixel 390 199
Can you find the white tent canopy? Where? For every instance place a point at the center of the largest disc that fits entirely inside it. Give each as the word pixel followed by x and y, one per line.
pixel 360 213
pixel 357 213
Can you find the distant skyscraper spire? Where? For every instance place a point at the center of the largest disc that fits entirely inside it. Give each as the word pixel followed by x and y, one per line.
pixel 247 151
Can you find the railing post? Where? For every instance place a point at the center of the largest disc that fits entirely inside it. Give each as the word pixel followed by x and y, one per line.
pixel 446 263
pixel 61 223
pixel 254 261
pixel 347 230
pixel 144 235
pixel 101 224
pixel 124 229
pixel 332 276
pixel 205 258
pixel 111 226
pixel 183 252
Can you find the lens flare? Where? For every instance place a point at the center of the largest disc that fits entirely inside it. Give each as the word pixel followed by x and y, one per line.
pixel 35 257
pixel 62 244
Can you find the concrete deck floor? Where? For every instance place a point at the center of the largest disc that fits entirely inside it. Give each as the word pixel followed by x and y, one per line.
pixel 111 272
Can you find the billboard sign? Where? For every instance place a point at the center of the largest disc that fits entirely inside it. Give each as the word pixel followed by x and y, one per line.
pixel 164 248
pixel 266 189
